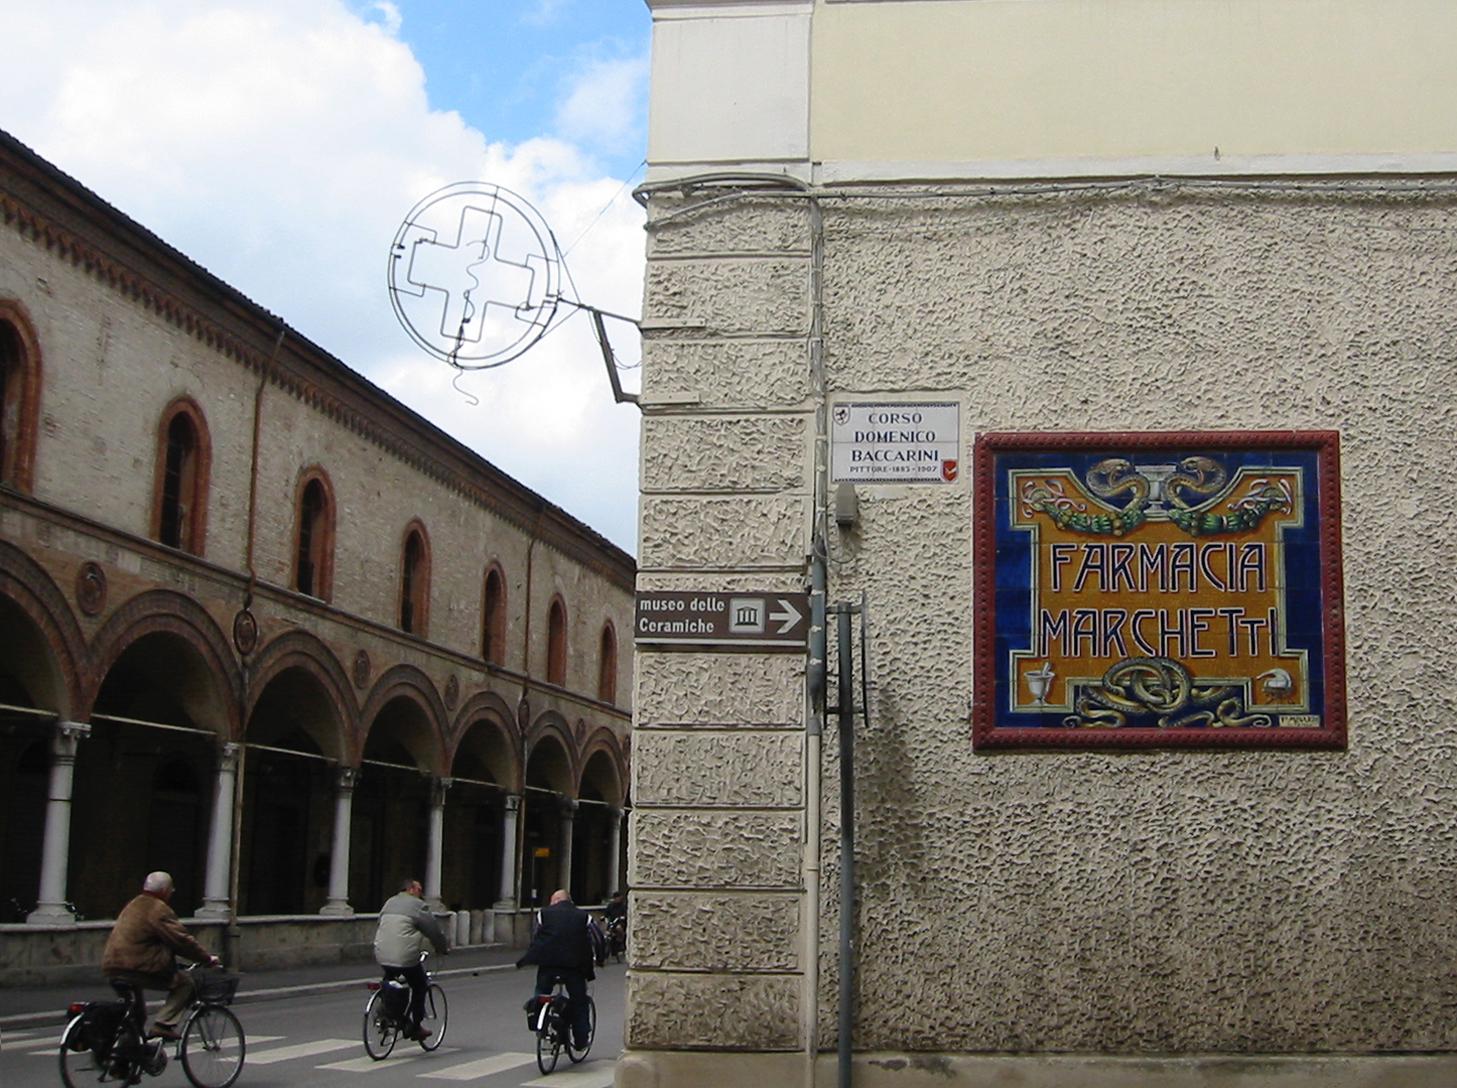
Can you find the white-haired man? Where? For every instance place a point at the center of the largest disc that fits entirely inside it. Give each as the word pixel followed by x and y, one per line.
pixel 142 949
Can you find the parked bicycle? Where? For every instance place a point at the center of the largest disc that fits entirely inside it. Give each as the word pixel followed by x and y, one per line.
pixel 105 1041
pixel 549 1016
pixel 617 937
pixel 387 1014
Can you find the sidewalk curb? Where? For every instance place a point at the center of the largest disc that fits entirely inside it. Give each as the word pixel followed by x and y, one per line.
pixel 58 1018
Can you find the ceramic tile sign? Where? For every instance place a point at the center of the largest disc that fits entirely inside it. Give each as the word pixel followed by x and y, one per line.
pixel 888 442
pixel 1179 589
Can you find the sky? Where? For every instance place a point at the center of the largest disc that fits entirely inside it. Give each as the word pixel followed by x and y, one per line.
pixel 280 144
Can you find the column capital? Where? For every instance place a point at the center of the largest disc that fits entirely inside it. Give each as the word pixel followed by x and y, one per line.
pixel 511 804
pixel 228 754
pixel 439 787
pixel 347 778
pixel 67 736
pixel 568 806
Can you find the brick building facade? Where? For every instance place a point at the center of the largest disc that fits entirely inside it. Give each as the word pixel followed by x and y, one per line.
pixel 266 628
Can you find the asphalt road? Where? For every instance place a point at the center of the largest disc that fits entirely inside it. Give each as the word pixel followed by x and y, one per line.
pixel 315 1041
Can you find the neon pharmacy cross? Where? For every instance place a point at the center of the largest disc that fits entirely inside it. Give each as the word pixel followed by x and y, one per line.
pixel 450 269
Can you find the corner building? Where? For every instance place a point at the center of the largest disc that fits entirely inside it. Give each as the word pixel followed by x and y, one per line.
pixel 1083 232
pixel 267 629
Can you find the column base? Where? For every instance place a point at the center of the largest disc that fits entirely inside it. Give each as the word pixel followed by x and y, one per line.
pixel 50 914
pixel 213 908
pixel 336 907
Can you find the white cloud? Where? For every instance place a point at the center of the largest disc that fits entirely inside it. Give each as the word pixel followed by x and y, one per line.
pixel 279 143
pixel 604 104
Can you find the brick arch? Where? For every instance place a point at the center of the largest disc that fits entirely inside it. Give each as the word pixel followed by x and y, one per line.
pixel 489 707
pixel 18 468
pixel 307 652
pixel 26 584
pixel 551 726
pixel 161 611
pixel 603 741
pixel 408 682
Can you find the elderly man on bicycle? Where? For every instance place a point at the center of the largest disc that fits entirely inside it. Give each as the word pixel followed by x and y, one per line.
pixel 405 923
pixel 142 948
pixel 562 949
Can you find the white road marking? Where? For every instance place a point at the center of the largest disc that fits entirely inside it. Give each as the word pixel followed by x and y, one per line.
pixel 482 1067
pixel 367 1064
pixel 53 1041
pixel 299 1050
pixel 589 1074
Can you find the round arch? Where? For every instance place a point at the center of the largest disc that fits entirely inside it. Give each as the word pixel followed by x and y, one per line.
pixel 49 666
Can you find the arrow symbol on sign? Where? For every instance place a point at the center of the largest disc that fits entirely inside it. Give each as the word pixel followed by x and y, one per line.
pixel 790 616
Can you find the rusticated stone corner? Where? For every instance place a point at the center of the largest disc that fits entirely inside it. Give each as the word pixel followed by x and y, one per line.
pixel 708 850
pixel 739 453
pixel 676 228
pixel 725 374
pixel 715 1012
pixel 696 932
pixel 747 770
pixel 728 689
pixel 760 531
pixel 747 295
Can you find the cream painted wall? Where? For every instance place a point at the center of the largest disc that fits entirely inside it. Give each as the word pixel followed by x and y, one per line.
pixel 1004 81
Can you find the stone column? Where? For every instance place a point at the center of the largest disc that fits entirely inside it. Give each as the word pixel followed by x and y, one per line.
pixel 614 845
pixel 338 902
pixel 510 810
pixel 436 849
pixel 220 840
pixel 50 907
pixel 569 815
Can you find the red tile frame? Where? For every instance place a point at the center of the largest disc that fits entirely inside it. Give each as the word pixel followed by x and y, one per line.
pixel 987 737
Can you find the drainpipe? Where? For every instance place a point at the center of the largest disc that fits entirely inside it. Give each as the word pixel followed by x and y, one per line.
pixel 813 745
pixel 234 932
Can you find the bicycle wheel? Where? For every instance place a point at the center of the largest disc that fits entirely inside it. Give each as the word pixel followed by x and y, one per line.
pixel 549 1043
pixel 380 1029
pixel 212 1047
pixel 80 1064
pixel 581 1055
pixel 436 1018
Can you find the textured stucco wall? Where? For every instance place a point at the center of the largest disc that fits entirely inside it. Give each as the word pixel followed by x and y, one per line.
pixel 1151 902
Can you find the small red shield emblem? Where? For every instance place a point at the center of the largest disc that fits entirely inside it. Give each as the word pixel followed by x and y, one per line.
pixel 948 471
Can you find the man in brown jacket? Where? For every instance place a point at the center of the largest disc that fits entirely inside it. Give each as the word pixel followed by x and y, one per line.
pixel 141 947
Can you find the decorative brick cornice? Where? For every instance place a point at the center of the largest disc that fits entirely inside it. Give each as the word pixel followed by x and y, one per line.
pixel 302 369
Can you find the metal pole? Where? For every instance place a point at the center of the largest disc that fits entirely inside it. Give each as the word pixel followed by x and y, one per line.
pixel 846 710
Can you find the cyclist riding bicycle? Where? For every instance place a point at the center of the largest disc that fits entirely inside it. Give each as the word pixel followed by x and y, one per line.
pixel 562 949
pixel 142 948
pixel 405 923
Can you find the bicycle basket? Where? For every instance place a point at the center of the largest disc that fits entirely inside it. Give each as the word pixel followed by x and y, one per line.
pixel 216 987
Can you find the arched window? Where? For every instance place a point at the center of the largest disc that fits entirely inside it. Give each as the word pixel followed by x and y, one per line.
pixel 313 562
pixel 493 618
pixel 19 397
pixel 607 665
pixel 184 454
pixel 556 643
pixel 415 581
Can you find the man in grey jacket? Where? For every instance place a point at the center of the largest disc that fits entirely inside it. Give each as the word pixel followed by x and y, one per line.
pixel 404 924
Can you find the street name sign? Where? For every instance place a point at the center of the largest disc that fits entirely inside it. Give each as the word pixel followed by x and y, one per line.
pixel 746 619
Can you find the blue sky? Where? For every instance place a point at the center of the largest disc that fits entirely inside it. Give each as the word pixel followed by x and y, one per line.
pixel 280 143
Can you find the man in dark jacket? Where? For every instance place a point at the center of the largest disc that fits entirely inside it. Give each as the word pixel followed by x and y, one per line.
pixel 405 924
pixel 142 946
pixel 562 950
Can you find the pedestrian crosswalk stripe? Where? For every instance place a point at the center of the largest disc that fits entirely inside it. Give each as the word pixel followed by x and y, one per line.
pixel 38 1041
pixel 46 1046
pixel 366 1064
pixel 298 1050
pixel 586 1075
pixel 481 1067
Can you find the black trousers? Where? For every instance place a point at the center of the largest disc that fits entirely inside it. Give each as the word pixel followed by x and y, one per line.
pixel 419 982
pixel 576 992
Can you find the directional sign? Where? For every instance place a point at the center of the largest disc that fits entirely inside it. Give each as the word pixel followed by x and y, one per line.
pixel 747 619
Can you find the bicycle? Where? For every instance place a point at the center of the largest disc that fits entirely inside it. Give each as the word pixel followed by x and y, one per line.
pixel 549 1016
pixel 617 937
pixel 387 1014
pixel 104 1041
